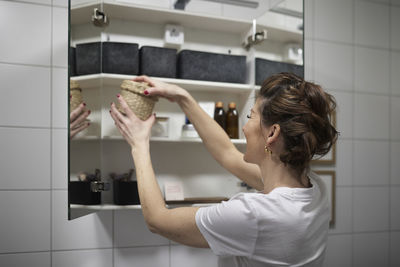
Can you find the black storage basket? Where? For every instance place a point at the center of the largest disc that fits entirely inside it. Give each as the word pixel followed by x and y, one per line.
pixel 265 68
pixel 81 193
pixel 72 63
pixel 195 65
pixel 125 193
pixel 120 58
pixel 107 57
pixel 88 58
pixel 158 61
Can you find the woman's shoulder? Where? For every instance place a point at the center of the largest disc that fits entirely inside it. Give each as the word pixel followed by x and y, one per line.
pixel 256 201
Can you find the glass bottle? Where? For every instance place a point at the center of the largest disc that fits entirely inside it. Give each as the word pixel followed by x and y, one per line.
pixel 232 121
pixel 219 114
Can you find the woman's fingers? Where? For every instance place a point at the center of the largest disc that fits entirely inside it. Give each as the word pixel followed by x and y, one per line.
pixel 76 112
pixel 79 120
pixel 116 115
pixel 81 127
pixel 144 78
pixel 129 113
pixel 159 88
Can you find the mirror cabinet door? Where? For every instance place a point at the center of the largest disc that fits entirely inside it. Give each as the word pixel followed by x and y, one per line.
pixel 85 144
pixel 104 33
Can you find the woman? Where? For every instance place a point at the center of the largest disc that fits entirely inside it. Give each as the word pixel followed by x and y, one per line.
pixel 286 223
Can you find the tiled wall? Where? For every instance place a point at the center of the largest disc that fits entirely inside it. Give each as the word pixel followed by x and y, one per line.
pixel 352 48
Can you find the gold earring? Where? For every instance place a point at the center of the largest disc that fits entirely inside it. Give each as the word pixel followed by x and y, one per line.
pixel 267 150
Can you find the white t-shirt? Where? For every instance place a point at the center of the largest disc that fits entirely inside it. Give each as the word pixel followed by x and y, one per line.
pixel 286 227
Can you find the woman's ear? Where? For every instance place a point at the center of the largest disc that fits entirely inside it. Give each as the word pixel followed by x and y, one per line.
pixel 273 133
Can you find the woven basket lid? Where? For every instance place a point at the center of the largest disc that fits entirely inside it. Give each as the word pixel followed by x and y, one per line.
pixel 74 85
pixel 135 87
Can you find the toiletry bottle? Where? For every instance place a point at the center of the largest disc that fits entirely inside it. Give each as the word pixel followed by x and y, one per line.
pixel 232 121
pixel 219 114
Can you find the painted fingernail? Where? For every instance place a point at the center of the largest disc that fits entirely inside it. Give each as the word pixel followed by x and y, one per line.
pixel 70 96
pixel 146 92
pixel 89 112
pixel 84 104
pixel 118 95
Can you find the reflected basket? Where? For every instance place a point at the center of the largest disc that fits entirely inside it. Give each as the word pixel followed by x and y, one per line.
pixel 138 102
pixel 125 193
pixel 81 192
pixel 76 95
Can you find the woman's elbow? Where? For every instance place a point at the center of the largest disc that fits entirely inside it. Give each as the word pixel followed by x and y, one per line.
pixel 152 227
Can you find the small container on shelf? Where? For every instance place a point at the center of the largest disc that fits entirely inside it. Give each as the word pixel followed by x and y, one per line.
pixel 160 127
pixel 219 114
pixel 158 61
pixel 188 130
pixel 125 191
pixel 138 102
pixel 81 192
pixel 232 121
pixel 120 58
pixel 87 191
pixel 196 65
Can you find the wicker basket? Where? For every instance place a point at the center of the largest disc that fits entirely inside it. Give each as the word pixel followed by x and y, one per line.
pixel 76 95
pixel 133 94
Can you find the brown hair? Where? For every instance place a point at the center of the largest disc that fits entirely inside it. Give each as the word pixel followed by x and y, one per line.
pixel 303 111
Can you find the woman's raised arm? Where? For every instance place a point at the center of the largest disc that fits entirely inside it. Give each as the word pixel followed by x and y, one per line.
pixel 214 137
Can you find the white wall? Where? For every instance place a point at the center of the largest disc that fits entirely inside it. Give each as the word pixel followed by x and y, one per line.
pixel 352 49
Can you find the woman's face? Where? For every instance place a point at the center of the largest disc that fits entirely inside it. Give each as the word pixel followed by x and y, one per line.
pixel 254 138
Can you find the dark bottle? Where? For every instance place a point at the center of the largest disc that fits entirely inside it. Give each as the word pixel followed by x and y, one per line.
pixel 219 114
pixel 232 121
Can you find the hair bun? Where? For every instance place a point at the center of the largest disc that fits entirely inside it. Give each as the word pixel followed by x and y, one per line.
pixel 304 112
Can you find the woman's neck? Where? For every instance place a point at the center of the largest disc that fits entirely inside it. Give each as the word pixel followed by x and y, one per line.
pixel 275 174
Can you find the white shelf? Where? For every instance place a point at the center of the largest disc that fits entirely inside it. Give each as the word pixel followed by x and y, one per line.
pixel 170 140
pixel 86 138
pixel 126 11
pixel 106 207
pixel 115 80
pixel 131 207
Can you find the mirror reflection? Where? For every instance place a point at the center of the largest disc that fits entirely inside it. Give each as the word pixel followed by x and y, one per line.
pixel 219 51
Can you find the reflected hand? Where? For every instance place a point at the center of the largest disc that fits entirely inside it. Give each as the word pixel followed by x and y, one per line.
pixel 77 120
pixel 134 130
pixel 171 92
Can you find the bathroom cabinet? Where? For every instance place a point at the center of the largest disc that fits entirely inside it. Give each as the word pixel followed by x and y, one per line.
pixel 174 158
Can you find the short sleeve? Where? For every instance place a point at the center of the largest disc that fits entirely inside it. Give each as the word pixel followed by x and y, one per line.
pixel 230 228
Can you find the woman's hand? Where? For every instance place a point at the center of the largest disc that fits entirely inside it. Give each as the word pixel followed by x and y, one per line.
pixel 158 88
pixel 77 120
pixel 134 130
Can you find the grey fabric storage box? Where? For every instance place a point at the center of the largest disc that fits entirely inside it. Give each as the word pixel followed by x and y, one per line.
pixel 120 58
pixel 197 65
pixel 72 64
pixel 266 68
pixel 296 69
pixel 158 61
pixel 88 58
